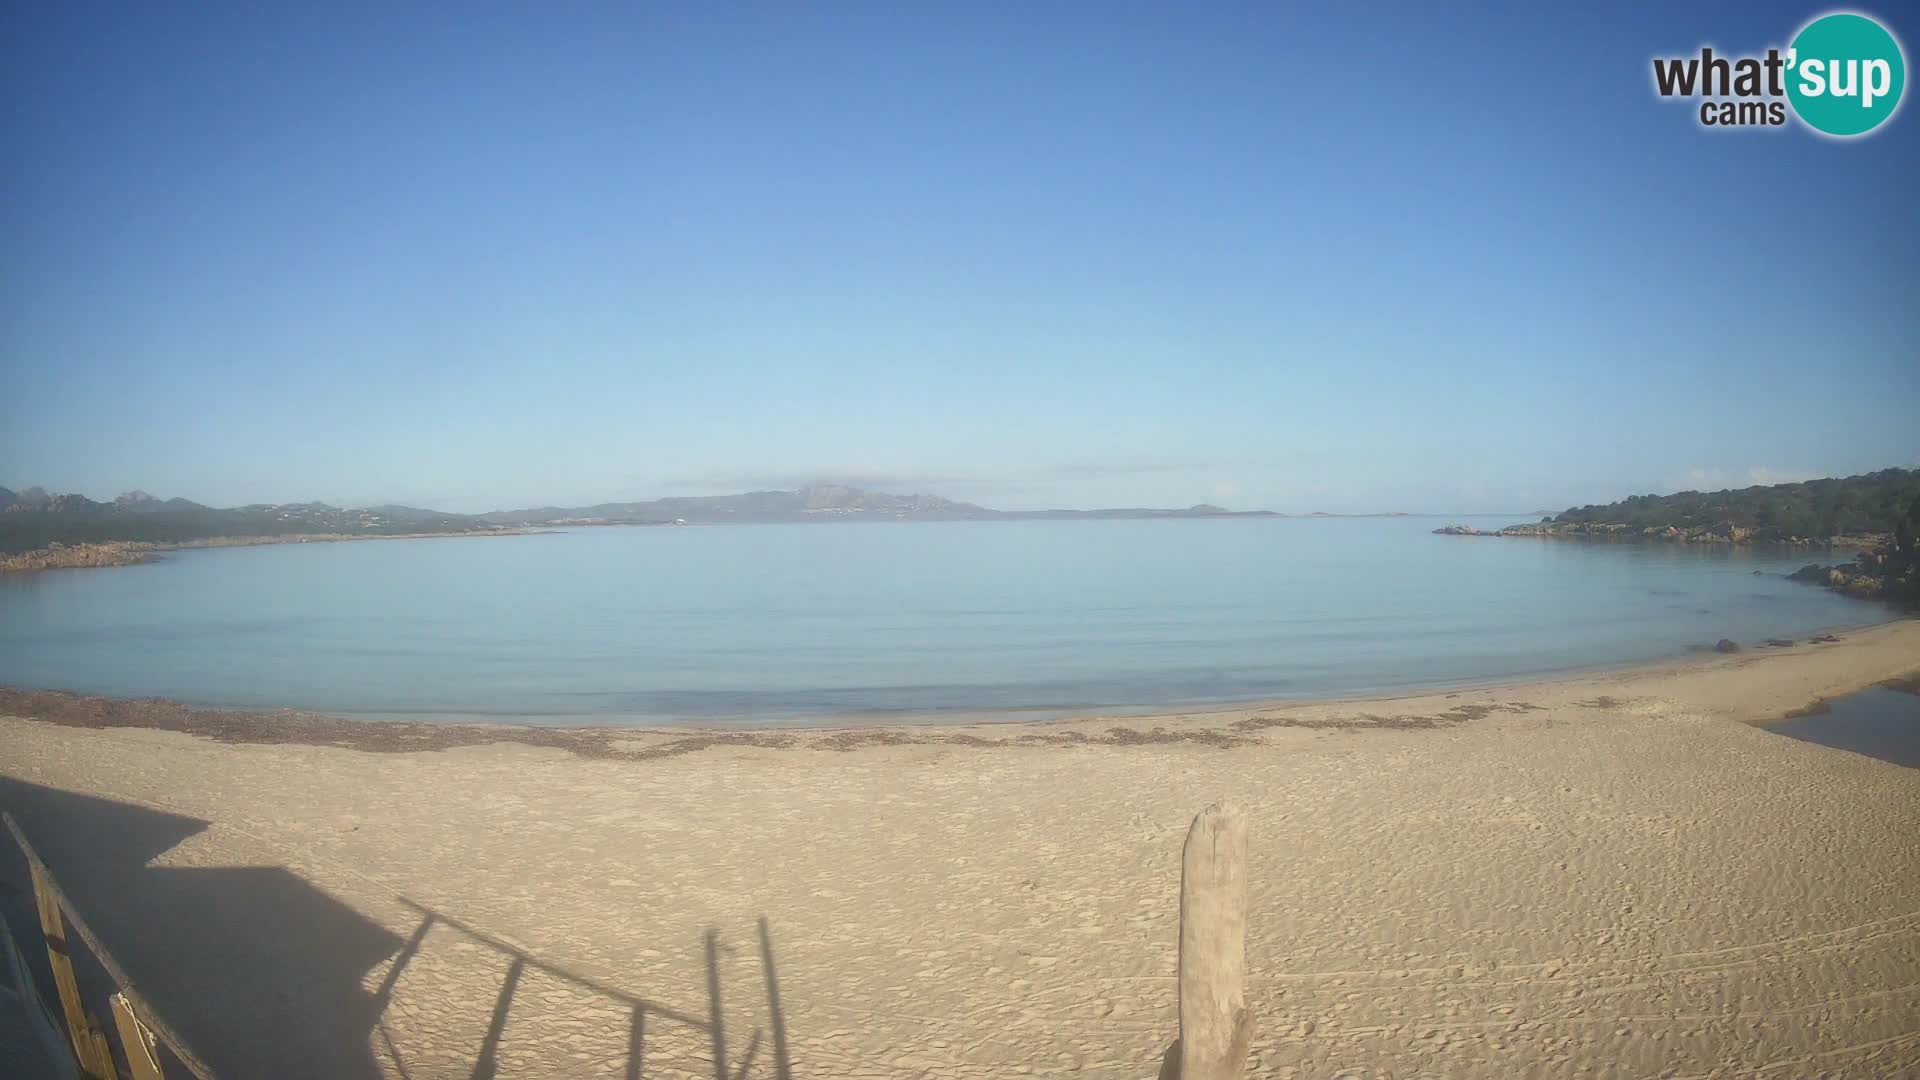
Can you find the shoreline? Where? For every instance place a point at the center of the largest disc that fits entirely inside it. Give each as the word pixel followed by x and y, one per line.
pixel 1882 654
pixel 1017 715
pixel 337 538
pixel 111 553
pixel 1614 874
pixel 1710 536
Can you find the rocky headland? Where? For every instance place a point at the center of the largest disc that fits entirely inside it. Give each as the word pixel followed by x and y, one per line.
pixel 1884 573
pixel 1885 566
pixel 57 556
pixel 1721 533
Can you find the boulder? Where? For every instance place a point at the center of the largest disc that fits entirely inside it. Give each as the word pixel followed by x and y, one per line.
pixel 1726 645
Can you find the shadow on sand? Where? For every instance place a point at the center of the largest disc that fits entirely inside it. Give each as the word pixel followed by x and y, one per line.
pixel 263 974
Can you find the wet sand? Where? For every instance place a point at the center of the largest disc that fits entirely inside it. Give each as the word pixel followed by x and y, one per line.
pixel 1616 874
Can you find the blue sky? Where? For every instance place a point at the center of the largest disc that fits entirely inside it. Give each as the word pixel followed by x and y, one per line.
pixel 1362 258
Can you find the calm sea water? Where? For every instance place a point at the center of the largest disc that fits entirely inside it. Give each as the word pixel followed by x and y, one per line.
pixel 799 623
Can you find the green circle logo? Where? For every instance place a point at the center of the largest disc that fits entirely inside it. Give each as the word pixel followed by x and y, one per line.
pixel 1845 74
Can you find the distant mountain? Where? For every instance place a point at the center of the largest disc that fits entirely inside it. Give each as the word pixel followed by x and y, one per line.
pixel 133 502
pixel 139 502
pixel 34 518
pixel 807 504
pixel 34 498
pixel 822 503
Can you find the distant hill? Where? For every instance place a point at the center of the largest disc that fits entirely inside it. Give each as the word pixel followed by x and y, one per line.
pixel 807 504
pixel 139 502
pixel 34 518
pixel 822 503
pixel 1854 505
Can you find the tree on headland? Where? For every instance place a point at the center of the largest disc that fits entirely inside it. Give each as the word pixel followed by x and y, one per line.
pixel 1903 556
pixel 1814 509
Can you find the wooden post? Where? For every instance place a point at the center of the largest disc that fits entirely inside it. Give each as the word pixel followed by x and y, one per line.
pixel 90 1044
pixel 1215 1027
pixel 135 1041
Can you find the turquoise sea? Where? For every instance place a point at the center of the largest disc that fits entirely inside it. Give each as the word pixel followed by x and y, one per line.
pixel 818 623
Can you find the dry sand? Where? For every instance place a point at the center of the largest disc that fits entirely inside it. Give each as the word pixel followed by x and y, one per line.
pixel 1614 875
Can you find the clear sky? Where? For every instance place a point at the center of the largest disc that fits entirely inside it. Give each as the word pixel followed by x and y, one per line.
pixel 1353 258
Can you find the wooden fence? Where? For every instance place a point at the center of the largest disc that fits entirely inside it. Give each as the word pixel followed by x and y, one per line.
pixel 141 1030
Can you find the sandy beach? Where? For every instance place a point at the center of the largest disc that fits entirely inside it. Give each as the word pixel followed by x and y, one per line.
pixel 1610 875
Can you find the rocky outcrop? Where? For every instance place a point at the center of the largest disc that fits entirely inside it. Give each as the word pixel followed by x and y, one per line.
pixel 1856 582
pixel 58 556
pixel 1876 574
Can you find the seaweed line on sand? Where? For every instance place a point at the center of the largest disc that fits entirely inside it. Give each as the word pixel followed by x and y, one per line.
pixel 644 744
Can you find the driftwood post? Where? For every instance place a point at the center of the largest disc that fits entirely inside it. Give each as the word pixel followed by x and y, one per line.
pixel 1215 1027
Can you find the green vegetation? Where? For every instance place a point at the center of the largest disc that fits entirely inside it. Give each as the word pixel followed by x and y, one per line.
pixel 1876 502
pixel 1901 561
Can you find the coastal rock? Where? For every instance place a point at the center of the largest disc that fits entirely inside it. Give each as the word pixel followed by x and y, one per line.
pixel 58 556
pixel 1876 574
pixel 1855 583
pixel 1726 645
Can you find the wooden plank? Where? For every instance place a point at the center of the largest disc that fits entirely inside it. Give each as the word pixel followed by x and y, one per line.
pixel 88 1041
pixel 136 1042
pixel 1215 1027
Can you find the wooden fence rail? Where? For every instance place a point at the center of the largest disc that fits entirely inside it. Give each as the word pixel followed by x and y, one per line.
pixel 141 1028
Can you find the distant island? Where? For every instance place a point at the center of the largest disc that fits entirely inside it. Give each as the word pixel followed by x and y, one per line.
pixel 826 502
pixel 1877 512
